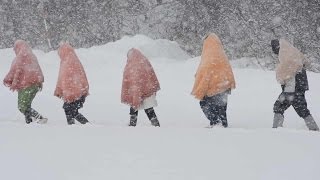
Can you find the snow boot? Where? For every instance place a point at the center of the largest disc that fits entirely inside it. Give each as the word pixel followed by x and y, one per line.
pixel 28 119
pixel 155 122
pixel 311 123
pixel 224 123
pixel 70 121
pixel 79 117
pixel 133 120
pixel 213 123
pixel 27 116
pixel 278 120
pixel 37 117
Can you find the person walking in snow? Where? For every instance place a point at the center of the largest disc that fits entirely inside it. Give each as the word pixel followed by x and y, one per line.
pixel 25 76
pixel 139 87
pixel 72 85
pixel 214 81
pixel 291 74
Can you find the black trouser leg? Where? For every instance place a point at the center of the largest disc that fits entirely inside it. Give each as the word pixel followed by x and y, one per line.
pixel 223 115
pixel 133 117
pixel 74 114
pixel 79 117
pixel 70 115
pixel 152 117
pixel 279 107
pixel 300 105
pixel 133 112
pixel 150 113
pixel 281 104
pixel 71 111
pixel 209 111
pixel 298 101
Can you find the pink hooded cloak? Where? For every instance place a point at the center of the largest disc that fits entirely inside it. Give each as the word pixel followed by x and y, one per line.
pixel 72 81
pixel 291 62
pixel 139 80
pixel 25 70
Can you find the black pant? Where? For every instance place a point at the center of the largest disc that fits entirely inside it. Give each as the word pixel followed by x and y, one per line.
pixel 297 100
pixel 150 113
pixel 215 108
pixel 71 110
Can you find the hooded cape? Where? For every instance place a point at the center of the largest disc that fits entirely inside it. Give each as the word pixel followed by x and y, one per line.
pixel 139 79
pixel 291 61
pixel 72 81
pixel 25 70
pixel 214 74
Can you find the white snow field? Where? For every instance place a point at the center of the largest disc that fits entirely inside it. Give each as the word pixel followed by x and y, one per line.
pixel 181 149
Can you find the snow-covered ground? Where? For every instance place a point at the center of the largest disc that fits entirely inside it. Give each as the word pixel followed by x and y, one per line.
pixel 182 149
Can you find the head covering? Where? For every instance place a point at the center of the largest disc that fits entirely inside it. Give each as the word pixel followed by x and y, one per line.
pixel 139 79
pixel 25 70
pixel 291 61
pixel 214 74
pixel 72 81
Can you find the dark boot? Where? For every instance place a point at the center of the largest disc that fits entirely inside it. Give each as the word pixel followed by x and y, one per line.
pixel 155 122
pixel 27 116
pixel 311 123
pixel 224 123
pixel 28 119
pixel 70 120
pixel 213 122
pixel 37 117
pixel 79 117
pixel 133 120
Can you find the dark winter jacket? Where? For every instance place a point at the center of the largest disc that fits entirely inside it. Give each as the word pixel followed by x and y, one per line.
pixel 301 80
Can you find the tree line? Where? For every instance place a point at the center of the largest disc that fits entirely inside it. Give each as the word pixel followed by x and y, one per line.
pixel 246 27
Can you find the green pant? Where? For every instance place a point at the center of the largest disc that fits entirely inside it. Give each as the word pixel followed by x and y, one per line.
pixel 26 96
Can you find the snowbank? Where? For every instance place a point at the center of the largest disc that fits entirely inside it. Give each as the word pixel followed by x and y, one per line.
pixel 163 48
pixel 153 49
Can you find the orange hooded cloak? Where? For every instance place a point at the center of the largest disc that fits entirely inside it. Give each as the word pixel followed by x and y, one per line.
pixel 72 81
pixel 214 74
pixel 25 70
pixel 139 79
